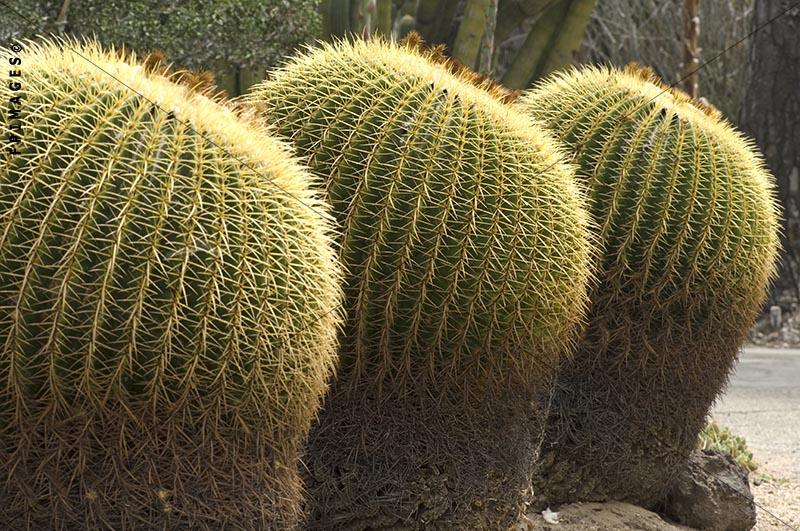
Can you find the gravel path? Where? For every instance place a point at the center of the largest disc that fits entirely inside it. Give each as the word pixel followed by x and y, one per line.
pixel 762 404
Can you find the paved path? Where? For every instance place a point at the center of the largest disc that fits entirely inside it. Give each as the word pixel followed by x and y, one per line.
pixel 762 404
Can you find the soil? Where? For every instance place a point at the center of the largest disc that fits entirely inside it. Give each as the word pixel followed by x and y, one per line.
pixel 611 516
pixel 777 509
pixel 777 502
pixel 762 404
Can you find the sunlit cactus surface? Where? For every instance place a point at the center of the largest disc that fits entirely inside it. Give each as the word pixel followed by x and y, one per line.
pixel 168 302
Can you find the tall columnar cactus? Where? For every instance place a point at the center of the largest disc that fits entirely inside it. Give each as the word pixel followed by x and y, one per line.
pixel 465 242
pixel 166 287
pixel 687 234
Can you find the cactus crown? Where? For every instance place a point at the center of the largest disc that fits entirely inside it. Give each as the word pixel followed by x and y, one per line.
pixel 686 208
pixel 644 78
pixel 157 247
pixel 438 55
pixel 202 81
pixel 464 234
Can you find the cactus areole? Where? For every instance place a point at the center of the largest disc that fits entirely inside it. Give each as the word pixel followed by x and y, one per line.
pixel 687 238
pixel 166 286
pixel 464 241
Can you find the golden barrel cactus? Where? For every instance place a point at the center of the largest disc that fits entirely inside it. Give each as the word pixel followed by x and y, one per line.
pixel 168 303
pixel 687 240
pixel 464 238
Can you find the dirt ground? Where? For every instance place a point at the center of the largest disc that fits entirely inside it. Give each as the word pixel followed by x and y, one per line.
pixel 777 502
pixel 612 516
pixel 777 509
pixel 762 404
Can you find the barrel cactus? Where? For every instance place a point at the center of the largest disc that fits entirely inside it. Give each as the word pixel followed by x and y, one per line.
pixel 464 238
pixel 168 295
pixel 687 240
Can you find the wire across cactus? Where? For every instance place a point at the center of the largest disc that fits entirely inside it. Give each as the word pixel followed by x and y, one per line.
pixel 168 304
pixel 169 292
pixel 466 245
pixel 688 238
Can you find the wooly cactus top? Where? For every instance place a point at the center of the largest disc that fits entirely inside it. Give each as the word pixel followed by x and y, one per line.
pixel 156 247
pixel 464 234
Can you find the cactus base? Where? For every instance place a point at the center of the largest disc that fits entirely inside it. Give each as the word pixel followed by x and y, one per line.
pixel 415 462
pixel 607 438
pixel 116 471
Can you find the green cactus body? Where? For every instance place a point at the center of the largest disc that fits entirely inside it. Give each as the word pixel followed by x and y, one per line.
pixel 166 286
pixel 688 238
pixel 466 251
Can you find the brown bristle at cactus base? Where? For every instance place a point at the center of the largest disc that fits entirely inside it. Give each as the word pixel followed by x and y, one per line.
pixel 438 54
pixel 687 247
pixel 414 462
pixel 151 376
pixel 155 62
pixel 444 194
pixel 161 478
pixel 595 407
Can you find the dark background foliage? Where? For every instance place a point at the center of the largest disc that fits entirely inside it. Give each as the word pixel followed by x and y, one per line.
pixel 220 35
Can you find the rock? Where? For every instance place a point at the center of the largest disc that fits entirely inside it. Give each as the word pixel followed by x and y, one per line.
pixel 609 516
pixel 712 493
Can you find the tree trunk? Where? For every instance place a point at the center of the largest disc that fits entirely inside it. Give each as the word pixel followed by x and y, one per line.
pixel 61 21
pixel 524 66
pixel 434 19
pixel 691 47
pixel 771 115
pixel 383 18
pixel 510 13
pixel 568 38
pixel 335 18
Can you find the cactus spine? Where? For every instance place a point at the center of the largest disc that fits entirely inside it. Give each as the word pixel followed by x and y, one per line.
pixel 464 238
pixel 165 296
pixel 688 238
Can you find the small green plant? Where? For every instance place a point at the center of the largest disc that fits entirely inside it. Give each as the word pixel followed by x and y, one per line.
pixel 766 477
pixel 716 437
